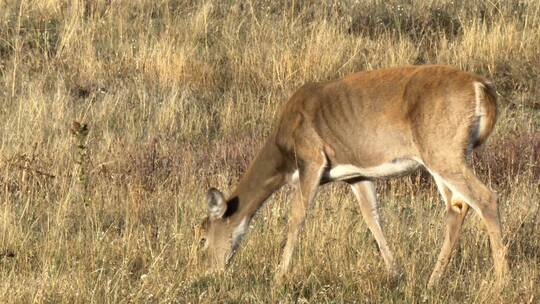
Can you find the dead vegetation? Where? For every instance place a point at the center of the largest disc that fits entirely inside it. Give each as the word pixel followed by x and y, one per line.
pixel 178 96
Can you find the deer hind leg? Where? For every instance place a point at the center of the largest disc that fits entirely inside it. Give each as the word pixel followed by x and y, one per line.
pixel 367 199
pixel 463 184
pixel 310 173
pixel 456 210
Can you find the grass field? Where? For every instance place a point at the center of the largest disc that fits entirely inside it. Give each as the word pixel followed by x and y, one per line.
pixel 177 96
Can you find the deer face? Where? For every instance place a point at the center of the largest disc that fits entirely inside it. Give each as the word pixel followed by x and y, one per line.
pixel 220 235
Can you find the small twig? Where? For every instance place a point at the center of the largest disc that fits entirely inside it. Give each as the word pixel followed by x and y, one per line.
pixel 14 162
pixel 22 167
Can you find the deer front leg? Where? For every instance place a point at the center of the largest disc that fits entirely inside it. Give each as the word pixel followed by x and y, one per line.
pixel 367 199
pixel 309 179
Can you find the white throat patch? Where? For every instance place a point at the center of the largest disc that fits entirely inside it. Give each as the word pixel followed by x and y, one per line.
pixel 239 232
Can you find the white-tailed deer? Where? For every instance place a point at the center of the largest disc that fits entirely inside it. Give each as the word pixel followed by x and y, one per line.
pixel 359 128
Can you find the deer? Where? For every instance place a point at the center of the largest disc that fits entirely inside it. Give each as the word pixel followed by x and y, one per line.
pixel 358 129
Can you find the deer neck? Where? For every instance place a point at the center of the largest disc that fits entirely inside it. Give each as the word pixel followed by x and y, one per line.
pixel 262 178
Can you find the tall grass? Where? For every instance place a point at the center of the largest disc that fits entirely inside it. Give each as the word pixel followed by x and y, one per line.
pixel 179 95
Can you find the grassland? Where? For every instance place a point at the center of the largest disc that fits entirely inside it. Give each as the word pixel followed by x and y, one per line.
pixel 179 95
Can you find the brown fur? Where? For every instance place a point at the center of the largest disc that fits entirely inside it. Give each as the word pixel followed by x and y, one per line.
pixel 367 120
pixel 490 104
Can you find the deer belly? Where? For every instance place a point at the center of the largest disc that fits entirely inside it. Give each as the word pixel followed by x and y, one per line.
pixel 395 167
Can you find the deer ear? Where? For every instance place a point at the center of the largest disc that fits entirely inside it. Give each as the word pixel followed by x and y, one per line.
pixel 216 203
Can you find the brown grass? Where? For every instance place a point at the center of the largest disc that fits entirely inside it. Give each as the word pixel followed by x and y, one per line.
pixel 178 96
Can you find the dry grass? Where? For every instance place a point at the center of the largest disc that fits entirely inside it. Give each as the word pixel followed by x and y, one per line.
pixel 178 95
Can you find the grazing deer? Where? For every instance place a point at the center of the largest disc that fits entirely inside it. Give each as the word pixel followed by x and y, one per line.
pixel 359 128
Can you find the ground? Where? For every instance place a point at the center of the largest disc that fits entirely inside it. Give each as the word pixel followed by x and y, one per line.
pixel 172 97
